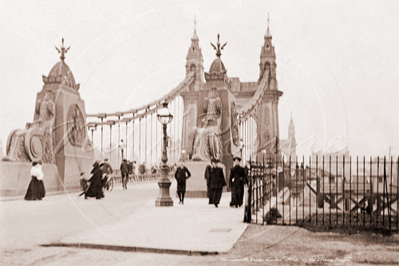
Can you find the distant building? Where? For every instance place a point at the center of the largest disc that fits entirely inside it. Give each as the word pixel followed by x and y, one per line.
pixel 288 146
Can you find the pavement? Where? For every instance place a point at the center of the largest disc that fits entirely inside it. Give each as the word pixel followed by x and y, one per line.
pixel 194 227
pixel 190 228
pixel 65 229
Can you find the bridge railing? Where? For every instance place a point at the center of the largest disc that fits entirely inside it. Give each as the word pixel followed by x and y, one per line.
pixel 325 192
pixel 138 177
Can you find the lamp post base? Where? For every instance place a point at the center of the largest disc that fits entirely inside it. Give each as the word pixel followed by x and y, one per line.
pixel 164 199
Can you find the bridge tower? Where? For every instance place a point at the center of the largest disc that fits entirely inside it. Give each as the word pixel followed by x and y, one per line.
pixel 195 63
pixel 267 112
pixel 195 67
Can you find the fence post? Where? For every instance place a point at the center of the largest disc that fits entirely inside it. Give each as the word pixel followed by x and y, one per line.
pixel 247 210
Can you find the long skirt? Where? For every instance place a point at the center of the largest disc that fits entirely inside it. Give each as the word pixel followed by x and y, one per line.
pixel 95 190
pixel 214 195
pixel 35 190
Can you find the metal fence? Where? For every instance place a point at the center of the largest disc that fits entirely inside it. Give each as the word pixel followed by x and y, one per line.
pixel 331 191
pixel 138 177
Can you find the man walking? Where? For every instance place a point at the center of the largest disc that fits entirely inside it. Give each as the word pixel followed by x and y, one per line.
pixel 125 173
pixel 237 181
pixel 181 175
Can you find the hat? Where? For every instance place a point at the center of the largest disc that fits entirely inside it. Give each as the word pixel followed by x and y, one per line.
pixel 124 160
pixel 237 158
pixel 106 159
pixel 214 160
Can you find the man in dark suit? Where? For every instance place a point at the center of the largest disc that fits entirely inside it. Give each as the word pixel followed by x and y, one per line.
pixel 181 175
pixel 237 181
pixel 125 173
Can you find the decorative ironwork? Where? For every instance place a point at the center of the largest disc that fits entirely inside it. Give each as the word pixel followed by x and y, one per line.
pixel 76 126
pixel 62 50
pixel 218 49
pixel 334 192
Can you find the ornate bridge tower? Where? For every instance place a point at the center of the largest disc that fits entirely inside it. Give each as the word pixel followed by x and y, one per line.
pixel 212 110
pixel 195 67
pixel 267 112
pixel 57 136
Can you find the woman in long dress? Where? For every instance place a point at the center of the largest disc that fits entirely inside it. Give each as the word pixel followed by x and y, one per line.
pixel 36 188
pixel 216 182
pixel 96 183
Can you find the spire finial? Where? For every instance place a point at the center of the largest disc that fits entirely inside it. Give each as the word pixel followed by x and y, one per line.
pixel 268 20
pixel 195 23
pixel 218 49
pixel 63 51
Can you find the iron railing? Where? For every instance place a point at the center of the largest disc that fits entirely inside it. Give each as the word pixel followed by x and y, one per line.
pixel 326 191
pixel 139 177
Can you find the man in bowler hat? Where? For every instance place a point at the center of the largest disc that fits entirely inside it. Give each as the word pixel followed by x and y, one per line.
pixel 181 175
pixel 237 180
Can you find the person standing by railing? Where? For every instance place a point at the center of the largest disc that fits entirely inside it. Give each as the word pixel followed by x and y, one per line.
pixel 142 169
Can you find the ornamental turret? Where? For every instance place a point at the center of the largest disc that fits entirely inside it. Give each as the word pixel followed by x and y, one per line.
pixel 195 62
pixel 268 59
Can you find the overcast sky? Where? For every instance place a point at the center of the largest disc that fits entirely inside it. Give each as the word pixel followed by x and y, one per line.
pixel 337 61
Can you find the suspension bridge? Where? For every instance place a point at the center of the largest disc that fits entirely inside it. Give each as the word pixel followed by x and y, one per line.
pixel 214 116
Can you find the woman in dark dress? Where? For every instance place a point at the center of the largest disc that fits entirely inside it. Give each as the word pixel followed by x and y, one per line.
pixel 96 183
pixel 216 182
pixel 36 188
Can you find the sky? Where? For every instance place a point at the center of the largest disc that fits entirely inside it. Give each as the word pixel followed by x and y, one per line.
pixel 337 61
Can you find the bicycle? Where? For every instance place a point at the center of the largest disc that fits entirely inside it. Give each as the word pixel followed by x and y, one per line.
pixel 109 184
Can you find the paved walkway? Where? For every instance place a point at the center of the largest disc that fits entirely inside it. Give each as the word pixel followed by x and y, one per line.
pixel 194 227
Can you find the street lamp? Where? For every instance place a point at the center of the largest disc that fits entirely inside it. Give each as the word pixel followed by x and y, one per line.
pixel 164 183
pixel 122 146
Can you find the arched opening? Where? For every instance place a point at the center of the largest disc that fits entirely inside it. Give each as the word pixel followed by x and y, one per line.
pixel 193 67
pixel 267 66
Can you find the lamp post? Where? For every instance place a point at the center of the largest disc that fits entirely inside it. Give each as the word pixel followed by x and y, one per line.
pixel 164 198
pixel 122 146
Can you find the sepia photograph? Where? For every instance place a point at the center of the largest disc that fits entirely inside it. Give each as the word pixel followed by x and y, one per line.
pixel 199 132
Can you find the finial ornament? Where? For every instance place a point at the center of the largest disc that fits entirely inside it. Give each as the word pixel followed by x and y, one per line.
pixel 268 31
pixel 63 51
pixel 267 20
pixel 195 23
pixel 218 49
